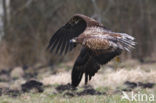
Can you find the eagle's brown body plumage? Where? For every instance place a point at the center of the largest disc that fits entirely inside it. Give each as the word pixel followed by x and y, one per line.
pixel 99 45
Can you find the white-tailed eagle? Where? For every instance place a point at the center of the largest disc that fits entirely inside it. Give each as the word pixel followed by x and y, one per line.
pixel 99 45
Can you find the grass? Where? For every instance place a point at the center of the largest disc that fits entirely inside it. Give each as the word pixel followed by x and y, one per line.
pixel 107 80
pixel 49 97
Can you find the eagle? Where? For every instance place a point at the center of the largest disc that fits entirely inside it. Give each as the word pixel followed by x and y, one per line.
pixel 98 45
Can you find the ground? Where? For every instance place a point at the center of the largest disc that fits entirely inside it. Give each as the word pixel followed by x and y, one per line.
pixel 106 86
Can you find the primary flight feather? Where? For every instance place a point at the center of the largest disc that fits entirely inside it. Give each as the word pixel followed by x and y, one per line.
pixel 99 45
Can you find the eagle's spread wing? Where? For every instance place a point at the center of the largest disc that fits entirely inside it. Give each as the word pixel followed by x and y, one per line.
pixel 61 39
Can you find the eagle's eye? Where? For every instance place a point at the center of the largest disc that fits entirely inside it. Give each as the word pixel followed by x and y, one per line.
pixel 76 20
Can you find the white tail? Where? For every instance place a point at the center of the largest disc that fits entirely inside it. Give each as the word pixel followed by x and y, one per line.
pixel 126 41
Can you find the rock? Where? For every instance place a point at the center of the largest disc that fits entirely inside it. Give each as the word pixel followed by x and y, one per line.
pixel 17 73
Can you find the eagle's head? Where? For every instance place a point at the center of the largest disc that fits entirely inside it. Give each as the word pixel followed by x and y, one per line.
pixel 75 20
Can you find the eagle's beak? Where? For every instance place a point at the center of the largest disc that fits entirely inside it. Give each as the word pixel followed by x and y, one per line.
pixel 72 41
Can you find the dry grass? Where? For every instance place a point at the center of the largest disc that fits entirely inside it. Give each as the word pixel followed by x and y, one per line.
pixel 108 77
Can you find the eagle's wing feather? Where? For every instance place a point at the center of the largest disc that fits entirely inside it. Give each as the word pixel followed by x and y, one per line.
pixel 61 39
pixel 103 57
pixel 79 67
pixel 85 63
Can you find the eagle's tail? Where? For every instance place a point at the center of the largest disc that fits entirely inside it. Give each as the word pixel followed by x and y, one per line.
pixel 126 41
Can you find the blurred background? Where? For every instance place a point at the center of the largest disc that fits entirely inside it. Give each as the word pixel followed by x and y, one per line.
pixel 26 27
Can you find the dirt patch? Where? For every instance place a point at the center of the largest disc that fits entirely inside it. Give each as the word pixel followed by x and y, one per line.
pixel 133 85
pixel 10 92
pixel 71 92
pixel 146 85
pixel 130 85
pixel 90 91
pixel 32 84
pixel 62 88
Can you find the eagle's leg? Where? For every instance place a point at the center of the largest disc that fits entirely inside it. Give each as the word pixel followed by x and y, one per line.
pixel 86 78
pixel 117 62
